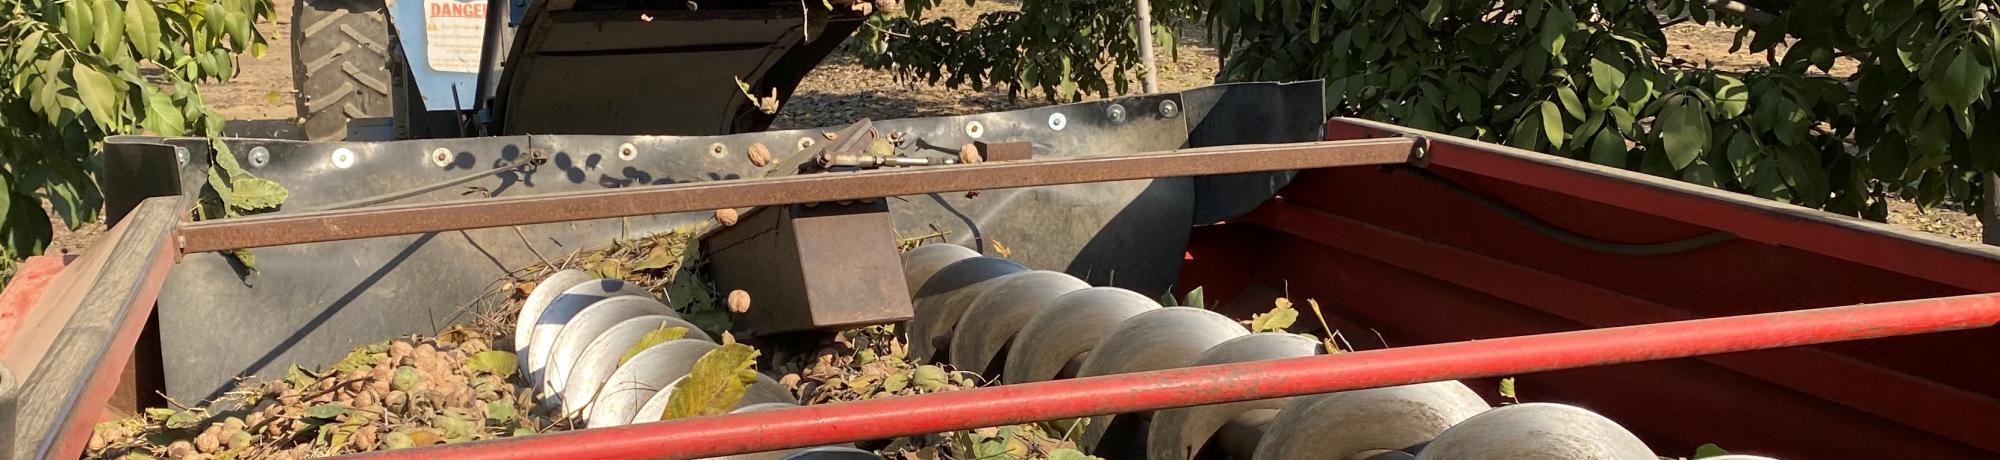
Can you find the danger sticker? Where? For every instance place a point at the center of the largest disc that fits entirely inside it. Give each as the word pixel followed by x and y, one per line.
pixel 454 31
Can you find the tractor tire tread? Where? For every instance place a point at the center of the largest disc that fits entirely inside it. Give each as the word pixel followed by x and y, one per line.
pixel 340 65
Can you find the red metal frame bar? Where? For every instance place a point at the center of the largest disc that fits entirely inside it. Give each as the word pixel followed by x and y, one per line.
pixel 113 289
pixel 310 227
pixel 1008 404
pixel 1922 256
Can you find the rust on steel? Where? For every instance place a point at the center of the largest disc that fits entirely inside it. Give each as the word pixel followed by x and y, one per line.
pixel 407 219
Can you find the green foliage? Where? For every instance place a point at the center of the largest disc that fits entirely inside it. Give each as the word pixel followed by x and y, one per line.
pixel 1586 79
pixel 75 71
pixel 1075 47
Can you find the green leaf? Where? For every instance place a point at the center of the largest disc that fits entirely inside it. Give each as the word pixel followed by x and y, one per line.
pixel 1552 124
pixel 1709 450
pixel 1607 77
pixel 1608 148
pixel 98 94
pixel 163 117
pixel 326 411
pixel 1507 389
pixel 1433 11
pixel 1963 82
pixel 299 378
pixel 1684 131
pixel 1167 299
pixel 183 419
pixel 109 21
pixel 142 27
pixel 77 19
pixel 658 336
pixel 251 193
pixel 1570 103
pixel 716 384
pixel 500 411
pixel 1281 316
pixel 1194 299
pixel 27 48
pixel 494 362
pixel 1555 28
pixel 1731 97
pixel 1624 121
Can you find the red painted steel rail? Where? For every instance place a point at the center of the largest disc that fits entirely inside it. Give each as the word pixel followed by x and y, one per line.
pixel 1009 404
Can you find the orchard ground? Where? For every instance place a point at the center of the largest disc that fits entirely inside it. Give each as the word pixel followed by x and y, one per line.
pixel 260 101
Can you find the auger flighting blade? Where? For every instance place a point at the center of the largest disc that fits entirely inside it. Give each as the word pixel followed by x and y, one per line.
pixel 557 314
pixel 584 328
pixel 999 312
pixel 1366 424
pixel 600 357
pixel 1180 433
pixel 636 380
pixel 1066 330
pixel 763 391
pixel 1536 430
pixel 943 298
pixel 531 310
pixel 1161 339
pixel 923 262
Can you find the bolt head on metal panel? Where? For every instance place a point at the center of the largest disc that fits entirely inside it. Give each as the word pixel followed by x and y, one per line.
pixel 1170 109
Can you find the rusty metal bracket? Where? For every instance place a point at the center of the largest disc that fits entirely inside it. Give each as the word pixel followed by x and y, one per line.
pixel 812 266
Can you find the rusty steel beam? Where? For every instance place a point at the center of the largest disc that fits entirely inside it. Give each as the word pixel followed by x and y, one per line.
pixel 338 225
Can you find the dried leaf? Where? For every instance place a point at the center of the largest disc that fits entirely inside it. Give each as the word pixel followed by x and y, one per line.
pixel 717 382
pixel 1000 249
pixel 1280 317
pixel 662 335
pixel 494 362
pixel 326 411
pixel 896 382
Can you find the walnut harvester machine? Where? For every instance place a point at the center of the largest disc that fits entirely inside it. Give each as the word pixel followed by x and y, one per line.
pixel 1641 314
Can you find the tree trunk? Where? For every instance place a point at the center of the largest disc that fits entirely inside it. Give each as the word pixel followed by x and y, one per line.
pixel 1989 215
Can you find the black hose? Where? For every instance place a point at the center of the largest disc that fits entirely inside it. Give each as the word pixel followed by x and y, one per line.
pixel 1569 237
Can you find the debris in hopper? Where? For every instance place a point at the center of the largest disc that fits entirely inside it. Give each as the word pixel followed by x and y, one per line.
pixel 727 216
pixel 401 393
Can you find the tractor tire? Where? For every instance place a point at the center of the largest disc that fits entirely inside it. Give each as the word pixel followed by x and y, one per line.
pixel 340 64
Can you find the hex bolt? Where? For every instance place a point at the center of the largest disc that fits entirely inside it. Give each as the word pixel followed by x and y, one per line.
pixel 1116 112
pixel 181 155
pixel 259 156
pixel 627 151
pixel 1170 109
pixel 718 150
pixel 441 157
pixel 973 129
pixel 806 143
pixel 760 156
pixel 1057 121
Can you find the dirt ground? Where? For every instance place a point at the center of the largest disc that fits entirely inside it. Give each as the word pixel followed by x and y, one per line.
pixel 260 101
